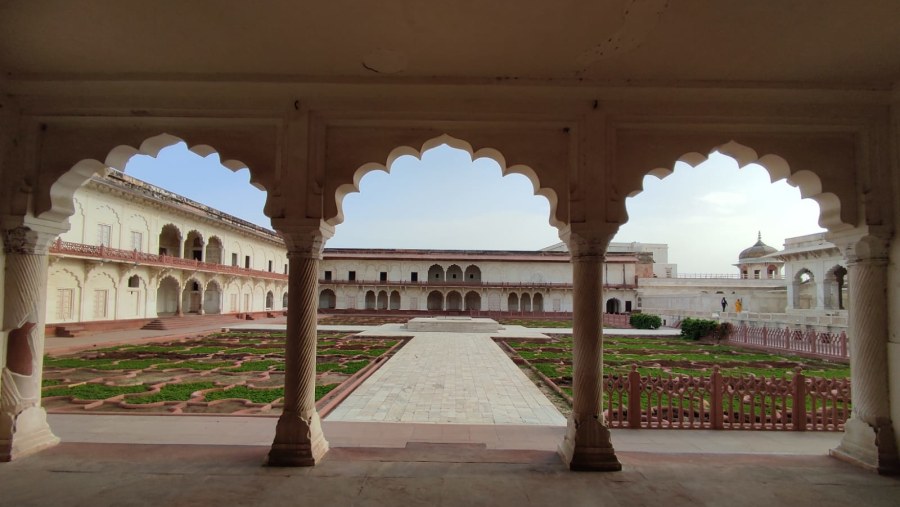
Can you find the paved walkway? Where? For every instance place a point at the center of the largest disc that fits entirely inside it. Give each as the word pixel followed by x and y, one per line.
pixel 449 378
pixel 259 431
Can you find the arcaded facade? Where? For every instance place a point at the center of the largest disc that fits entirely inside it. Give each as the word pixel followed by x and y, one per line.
pixel 583 98
pixel 135 251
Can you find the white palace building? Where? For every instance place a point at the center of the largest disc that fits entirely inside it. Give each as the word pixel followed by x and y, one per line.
pixel 136 252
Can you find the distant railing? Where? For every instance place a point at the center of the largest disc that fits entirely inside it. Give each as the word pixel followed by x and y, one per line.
pixel 114 254
pixel 729 276
pixel 466 283
pixel 817 343
pixel 718 402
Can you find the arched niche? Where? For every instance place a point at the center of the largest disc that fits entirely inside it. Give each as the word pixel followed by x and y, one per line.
pixel 820 165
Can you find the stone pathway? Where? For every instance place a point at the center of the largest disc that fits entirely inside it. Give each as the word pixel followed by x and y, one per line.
pixel 449 378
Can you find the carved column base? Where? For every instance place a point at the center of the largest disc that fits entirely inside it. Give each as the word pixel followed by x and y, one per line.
pixel 587 446
pixel 298 442
pixel 25 434
pixel 871 447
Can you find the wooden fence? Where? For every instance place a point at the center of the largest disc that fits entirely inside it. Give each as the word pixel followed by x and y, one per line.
pixel 815 343
pixel 798 403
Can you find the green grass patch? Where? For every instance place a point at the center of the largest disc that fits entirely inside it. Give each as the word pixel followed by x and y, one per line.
pixel 323 367
pixel 250 351
pixel 92 391
pixel 201 365
pixel 263 365
pixel 205 349
pixel 352 367
pixel 321 391
pixel 133 364
pixel 171 392
pixel 246 393
pixel 74 362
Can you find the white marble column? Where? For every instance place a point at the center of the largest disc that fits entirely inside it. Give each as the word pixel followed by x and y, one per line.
pixel 299 440
pixel 587 444
pixel 869 436
pixel 23 422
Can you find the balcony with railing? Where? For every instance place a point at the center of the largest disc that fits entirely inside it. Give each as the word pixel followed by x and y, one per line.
pixel 79 250
pixel 464 284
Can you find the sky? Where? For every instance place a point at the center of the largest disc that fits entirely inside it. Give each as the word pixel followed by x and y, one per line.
pixel 706 214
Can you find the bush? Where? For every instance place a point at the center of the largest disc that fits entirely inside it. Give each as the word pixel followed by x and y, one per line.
pixel 644 321
pixel 694 329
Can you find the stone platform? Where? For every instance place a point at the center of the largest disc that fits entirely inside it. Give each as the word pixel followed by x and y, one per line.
pixel 453 325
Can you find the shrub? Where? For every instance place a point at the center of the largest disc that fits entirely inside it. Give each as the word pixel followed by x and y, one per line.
pixel 644 321
pixel 694 329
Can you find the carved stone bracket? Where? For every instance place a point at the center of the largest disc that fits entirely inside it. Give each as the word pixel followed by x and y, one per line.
pixel 27 241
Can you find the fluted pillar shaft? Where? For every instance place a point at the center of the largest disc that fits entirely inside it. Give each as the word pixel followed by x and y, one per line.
pixel 299 440
pixel 587 444
pixel 869 436
pixel 23 422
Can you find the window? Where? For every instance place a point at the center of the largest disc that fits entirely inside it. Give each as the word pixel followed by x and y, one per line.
pixel 627 306
pixel 233 303
pixel 100 303
pixel 414 276
pixel 64 304
pixel 756 274
pixel 328 275
pixel 270 266
pixel 234 261
pixel 134 282
pixel 383 276
pixel 137 241
pixel 247 261
pixel 104 233
pixel 351 276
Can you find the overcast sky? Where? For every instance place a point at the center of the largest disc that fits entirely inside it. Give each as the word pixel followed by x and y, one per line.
pixel 706 214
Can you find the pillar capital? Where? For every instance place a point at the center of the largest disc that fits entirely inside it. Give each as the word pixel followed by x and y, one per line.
pixel 305 239
pixel 588 240
pixel 29 239
pixel 863 245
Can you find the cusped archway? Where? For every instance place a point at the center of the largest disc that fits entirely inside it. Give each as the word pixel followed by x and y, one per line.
pixel 652 153
pixel 538 155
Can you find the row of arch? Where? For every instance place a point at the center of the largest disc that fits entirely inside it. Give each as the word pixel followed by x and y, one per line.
pixel 196 297
pixel 438 301
pixel 834 289
pixel 436 273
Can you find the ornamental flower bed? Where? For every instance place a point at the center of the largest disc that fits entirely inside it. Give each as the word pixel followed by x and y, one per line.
pixel 225 373
pixel 659 383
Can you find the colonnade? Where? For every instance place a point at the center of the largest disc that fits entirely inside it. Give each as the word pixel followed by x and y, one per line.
pixel 299 439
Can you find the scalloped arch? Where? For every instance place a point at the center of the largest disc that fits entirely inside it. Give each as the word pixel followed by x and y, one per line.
pixel 65 272
pixel 193 278
pixel 809 183
pixel 198 233
pixel 489 153
pixel 170 277
pixel 173 226
pixel 63 189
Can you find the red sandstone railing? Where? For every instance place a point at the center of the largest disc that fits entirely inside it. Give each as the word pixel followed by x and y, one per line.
pixel 726 403
pixel 133 256
pixel 811 342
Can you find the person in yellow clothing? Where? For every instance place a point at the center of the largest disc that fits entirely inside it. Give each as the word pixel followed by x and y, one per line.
pixel 738 305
